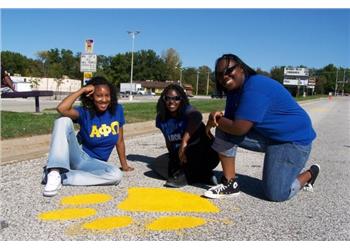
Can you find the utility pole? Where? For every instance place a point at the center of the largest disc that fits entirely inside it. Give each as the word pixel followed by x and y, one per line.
pixel 342 93
pixel 336 84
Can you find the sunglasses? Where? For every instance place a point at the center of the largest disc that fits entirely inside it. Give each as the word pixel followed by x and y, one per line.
pixel 172 98
pixel 229 70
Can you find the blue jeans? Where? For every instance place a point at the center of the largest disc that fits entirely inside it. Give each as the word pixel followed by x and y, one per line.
pixel 76 166
pixel 283 162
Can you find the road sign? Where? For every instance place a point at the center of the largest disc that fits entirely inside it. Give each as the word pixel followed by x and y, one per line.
pixel 89 46
pixel 88 62
pixel 87 77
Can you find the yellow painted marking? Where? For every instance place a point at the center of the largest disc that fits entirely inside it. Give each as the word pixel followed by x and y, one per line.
pixel 108 223
pixel 175 223
pixel 67 214
pixel 319 109
pixel 165 200
pixel 84 199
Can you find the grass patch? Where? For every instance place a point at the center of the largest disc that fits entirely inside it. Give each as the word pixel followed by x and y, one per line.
pixel 14 124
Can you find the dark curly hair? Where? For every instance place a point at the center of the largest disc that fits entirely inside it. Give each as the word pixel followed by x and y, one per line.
pixel 248 71
pixel 162 111
pixel 88 103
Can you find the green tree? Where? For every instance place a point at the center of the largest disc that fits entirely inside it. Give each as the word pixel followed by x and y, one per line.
pixel 15 63
pixel 277 73
pixel 262 72
pixel 173 64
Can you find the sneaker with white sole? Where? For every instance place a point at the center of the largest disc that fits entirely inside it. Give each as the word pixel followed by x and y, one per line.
pixel 53 184
pixel 314 171
pixel 225 189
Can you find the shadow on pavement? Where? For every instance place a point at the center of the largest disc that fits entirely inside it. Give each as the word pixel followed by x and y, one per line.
pixel 141 158
pixel 158 165
pixel 251 186
pixel 159 170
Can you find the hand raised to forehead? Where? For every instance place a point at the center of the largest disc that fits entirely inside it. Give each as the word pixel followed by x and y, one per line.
pixel 89 90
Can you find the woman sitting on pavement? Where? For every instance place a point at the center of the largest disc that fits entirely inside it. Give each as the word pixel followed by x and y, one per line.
pixel 82 159
pixel 190 157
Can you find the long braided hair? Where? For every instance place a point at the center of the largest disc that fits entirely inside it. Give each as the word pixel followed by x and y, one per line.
pixel 162 111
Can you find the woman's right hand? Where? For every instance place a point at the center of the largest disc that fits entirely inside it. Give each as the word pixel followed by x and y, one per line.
pixel 89 90
pixel 213 120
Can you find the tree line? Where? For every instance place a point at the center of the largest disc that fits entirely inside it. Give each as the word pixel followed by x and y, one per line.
pixel 55 63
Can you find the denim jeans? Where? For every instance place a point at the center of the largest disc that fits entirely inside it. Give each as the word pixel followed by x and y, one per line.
pixel 283 162
pixel 76 166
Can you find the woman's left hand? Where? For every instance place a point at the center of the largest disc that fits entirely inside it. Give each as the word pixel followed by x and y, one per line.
pixel 182 155
pixel 126 168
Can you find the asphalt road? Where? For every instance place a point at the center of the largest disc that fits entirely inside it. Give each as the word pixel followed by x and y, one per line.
pixel 321 215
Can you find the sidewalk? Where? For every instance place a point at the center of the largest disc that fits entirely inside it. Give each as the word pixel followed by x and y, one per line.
pixel 20 149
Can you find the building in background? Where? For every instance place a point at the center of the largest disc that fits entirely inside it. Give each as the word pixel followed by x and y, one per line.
pixel 60 86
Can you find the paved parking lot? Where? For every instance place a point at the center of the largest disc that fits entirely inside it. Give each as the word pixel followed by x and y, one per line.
pixel 321 215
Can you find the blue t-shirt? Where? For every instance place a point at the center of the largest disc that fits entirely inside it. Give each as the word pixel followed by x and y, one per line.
pixel 174 128
pixel 272 109
pixel 100 134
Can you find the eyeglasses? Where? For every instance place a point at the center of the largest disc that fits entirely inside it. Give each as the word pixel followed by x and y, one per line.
pixel 172 98
pixel 229 70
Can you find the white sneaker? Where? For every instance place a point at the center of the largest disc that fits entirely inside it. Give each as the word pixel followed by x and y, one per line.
pixel 53 184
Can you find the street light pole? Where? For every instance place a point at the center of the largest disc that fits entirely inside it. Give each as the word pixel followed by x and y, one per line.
pixel 181 77
pixel 133 34
pixel 197 83
pixel 208 83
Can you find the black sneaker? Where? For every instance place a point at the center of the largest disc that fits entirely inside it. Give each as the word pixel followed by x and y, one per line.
pixel 225 189
pixel 314 171
pixel 177 180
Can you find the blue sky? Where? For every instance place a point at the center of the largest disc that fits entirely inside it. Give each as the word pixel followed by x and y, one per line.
pixel 261 37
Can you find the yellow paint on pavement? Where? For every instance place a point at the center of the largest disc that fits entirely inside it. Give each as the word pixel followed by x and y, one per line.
pixel 108 223
pixel 142 199
pixel 319 110
pixel 85 199
pixel 67 214
pixel 175 223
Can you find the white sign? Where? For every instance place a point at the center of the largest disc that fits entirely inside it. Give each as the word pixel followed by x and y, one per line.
pixel 88 62
pixel 300 82
pixel 296 71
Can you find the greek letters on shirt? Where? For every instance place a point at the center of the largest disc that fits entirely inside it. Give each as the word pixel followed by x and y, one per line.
pixel 104 130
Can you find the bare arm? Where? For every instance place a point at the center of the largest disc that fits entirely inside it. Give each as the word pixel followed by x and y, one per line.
pixel 121 152
pixel 194 120
pixel 65 108
pixel 237 127
pixel 8 82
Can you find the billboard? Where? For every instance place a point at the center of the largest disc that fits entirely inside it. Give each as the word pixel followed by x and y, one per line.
pixel 289 71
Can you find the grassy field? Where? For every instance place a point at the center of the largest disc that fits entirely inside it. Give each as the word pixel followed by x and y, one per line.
pixel 15 124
